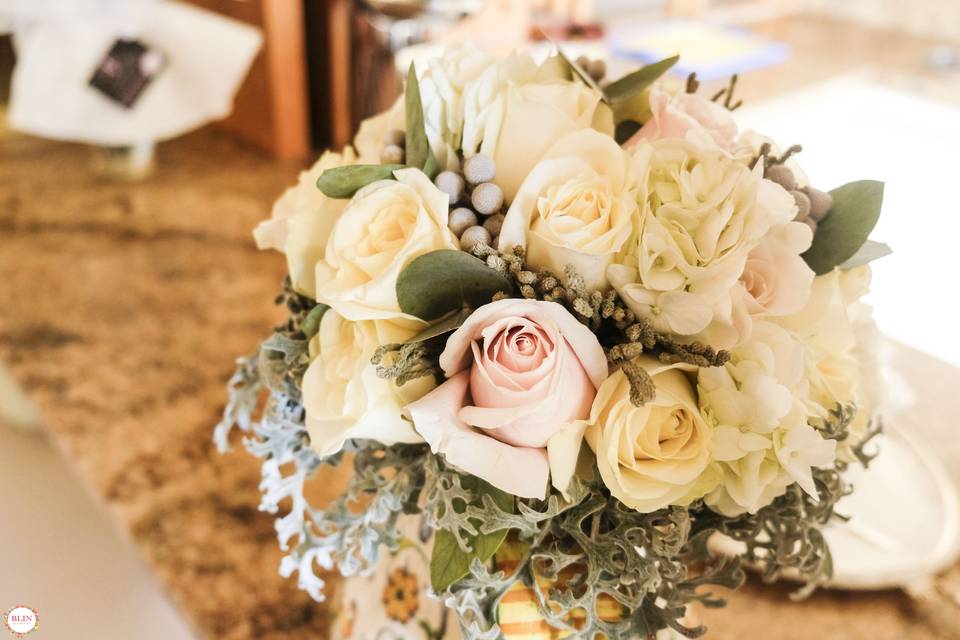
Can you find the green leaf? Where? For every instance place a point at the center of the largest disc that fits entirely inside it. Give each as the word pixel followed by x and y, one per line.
pixel 870 251
pixel 854 214
pixel 625 130
pixel 579 71
pixel 418 151
pixel 442 281
pixel 311 324
pixel 448 562
pixel 633 83
pixel 448 324
pixel 343 182
pixel 431 167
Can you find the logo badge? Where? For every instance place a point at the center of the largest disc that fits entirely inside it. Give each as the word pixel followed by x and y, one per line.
pixel 21 620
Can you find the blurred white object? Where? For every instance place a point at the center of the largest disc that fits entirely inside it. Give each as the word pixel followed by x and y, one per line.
pixel 64 558
pixel 905 517
pixel 60 43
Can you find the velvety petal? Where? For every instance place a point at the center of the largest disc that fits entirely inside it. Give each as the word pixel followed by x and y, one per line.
pixel 563 452
pixel 520 471
pixel 569 398
pixel 457 354
pixel 381 421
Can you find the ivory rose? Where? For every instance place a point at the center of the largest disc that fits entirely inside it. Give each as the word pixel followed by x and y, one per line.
pixel 576 207
pixel 675 115
pixel 515 111
pixel 442 84
pixel 702 214
pixel 372 133
pixel 654 455
pixel 301 220
pixel 342 394
pixel 384 227
pixel 518 371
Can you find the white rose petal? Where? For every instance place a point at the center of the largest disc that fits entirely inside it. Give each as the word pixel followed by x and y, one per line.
pixel 344 397
pixel 301 221
pixel 384 227
pixel 575 208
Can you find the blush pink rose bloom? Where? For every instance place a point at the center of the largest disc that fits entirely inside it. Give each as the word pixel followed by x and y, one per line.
pixel 776 277
pixel 675 115
pixel 517 372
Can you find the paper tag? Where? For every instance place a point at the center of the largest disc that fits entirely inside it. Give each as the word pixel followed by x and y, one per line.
pixel 126 71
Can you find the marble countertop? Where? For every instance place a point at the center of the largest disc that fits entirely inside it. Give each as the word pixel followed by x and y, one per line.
pixel 122 307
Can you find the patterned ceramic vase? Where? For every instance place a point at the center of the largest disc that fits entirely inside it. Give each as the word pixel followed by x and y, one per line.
pixel 392 603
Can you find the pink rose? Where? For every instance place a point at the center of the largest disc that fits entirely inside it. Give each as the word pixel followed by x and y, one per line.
pixel 518 371
pixel 676 115
pixel 776 279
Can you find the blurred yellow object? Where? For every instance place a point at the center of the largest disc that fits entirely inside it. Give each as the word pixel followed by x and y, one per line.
pixel 519 614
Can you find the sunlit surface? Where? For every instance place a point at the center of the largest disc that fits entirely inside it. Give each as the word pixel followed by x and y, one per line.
pixel 852 128
pixel 64 558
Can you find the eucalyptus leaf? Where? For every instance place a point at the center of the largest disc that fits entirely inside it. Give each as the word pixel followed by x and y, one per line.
pixel 418 147
pixel 579 71
pixel 442 281
pixel 870 251
pixel 448 562
pixel 311 323
pixel 448 324
pixel 431 167
pixel 854 214
pixel 343 182
pixel 633 83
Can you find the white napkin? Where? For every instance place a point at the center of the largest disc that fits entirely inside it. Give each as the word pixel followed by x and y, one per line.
pixel 60 43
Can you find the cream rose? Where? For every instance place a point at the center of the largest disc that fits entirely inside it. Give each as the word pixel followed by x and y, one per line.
pixel 343 396
pixel 384 227
pixel 515 111
pixel 483 98
pixel 679 114
pixel 654 455
pixel 576 207
pixel 518 371
pixel 301 220
pixel 372 133
pixel 702 215
pixel 442 84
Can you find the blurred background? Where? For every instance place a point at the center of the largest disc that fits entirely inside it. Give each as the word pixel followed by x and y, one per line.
pixel 141 141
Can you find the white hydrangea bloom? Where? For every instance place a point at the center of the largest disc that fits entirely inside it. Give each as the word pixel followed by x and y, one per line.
pixel 702 214
pixel 759 405
pixel 840 342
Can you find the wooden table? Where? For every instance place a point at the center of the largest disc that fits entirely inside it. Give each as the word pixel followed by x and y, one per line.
pixel 123 306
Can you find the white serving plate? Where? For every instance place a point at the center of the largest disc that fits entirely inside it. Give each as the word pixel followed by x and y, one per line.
pixel 904 524
pixel 905 517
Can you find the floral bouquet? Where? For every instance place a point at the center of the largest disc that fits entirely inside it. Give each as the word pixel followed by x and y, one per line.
pixel 571 330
